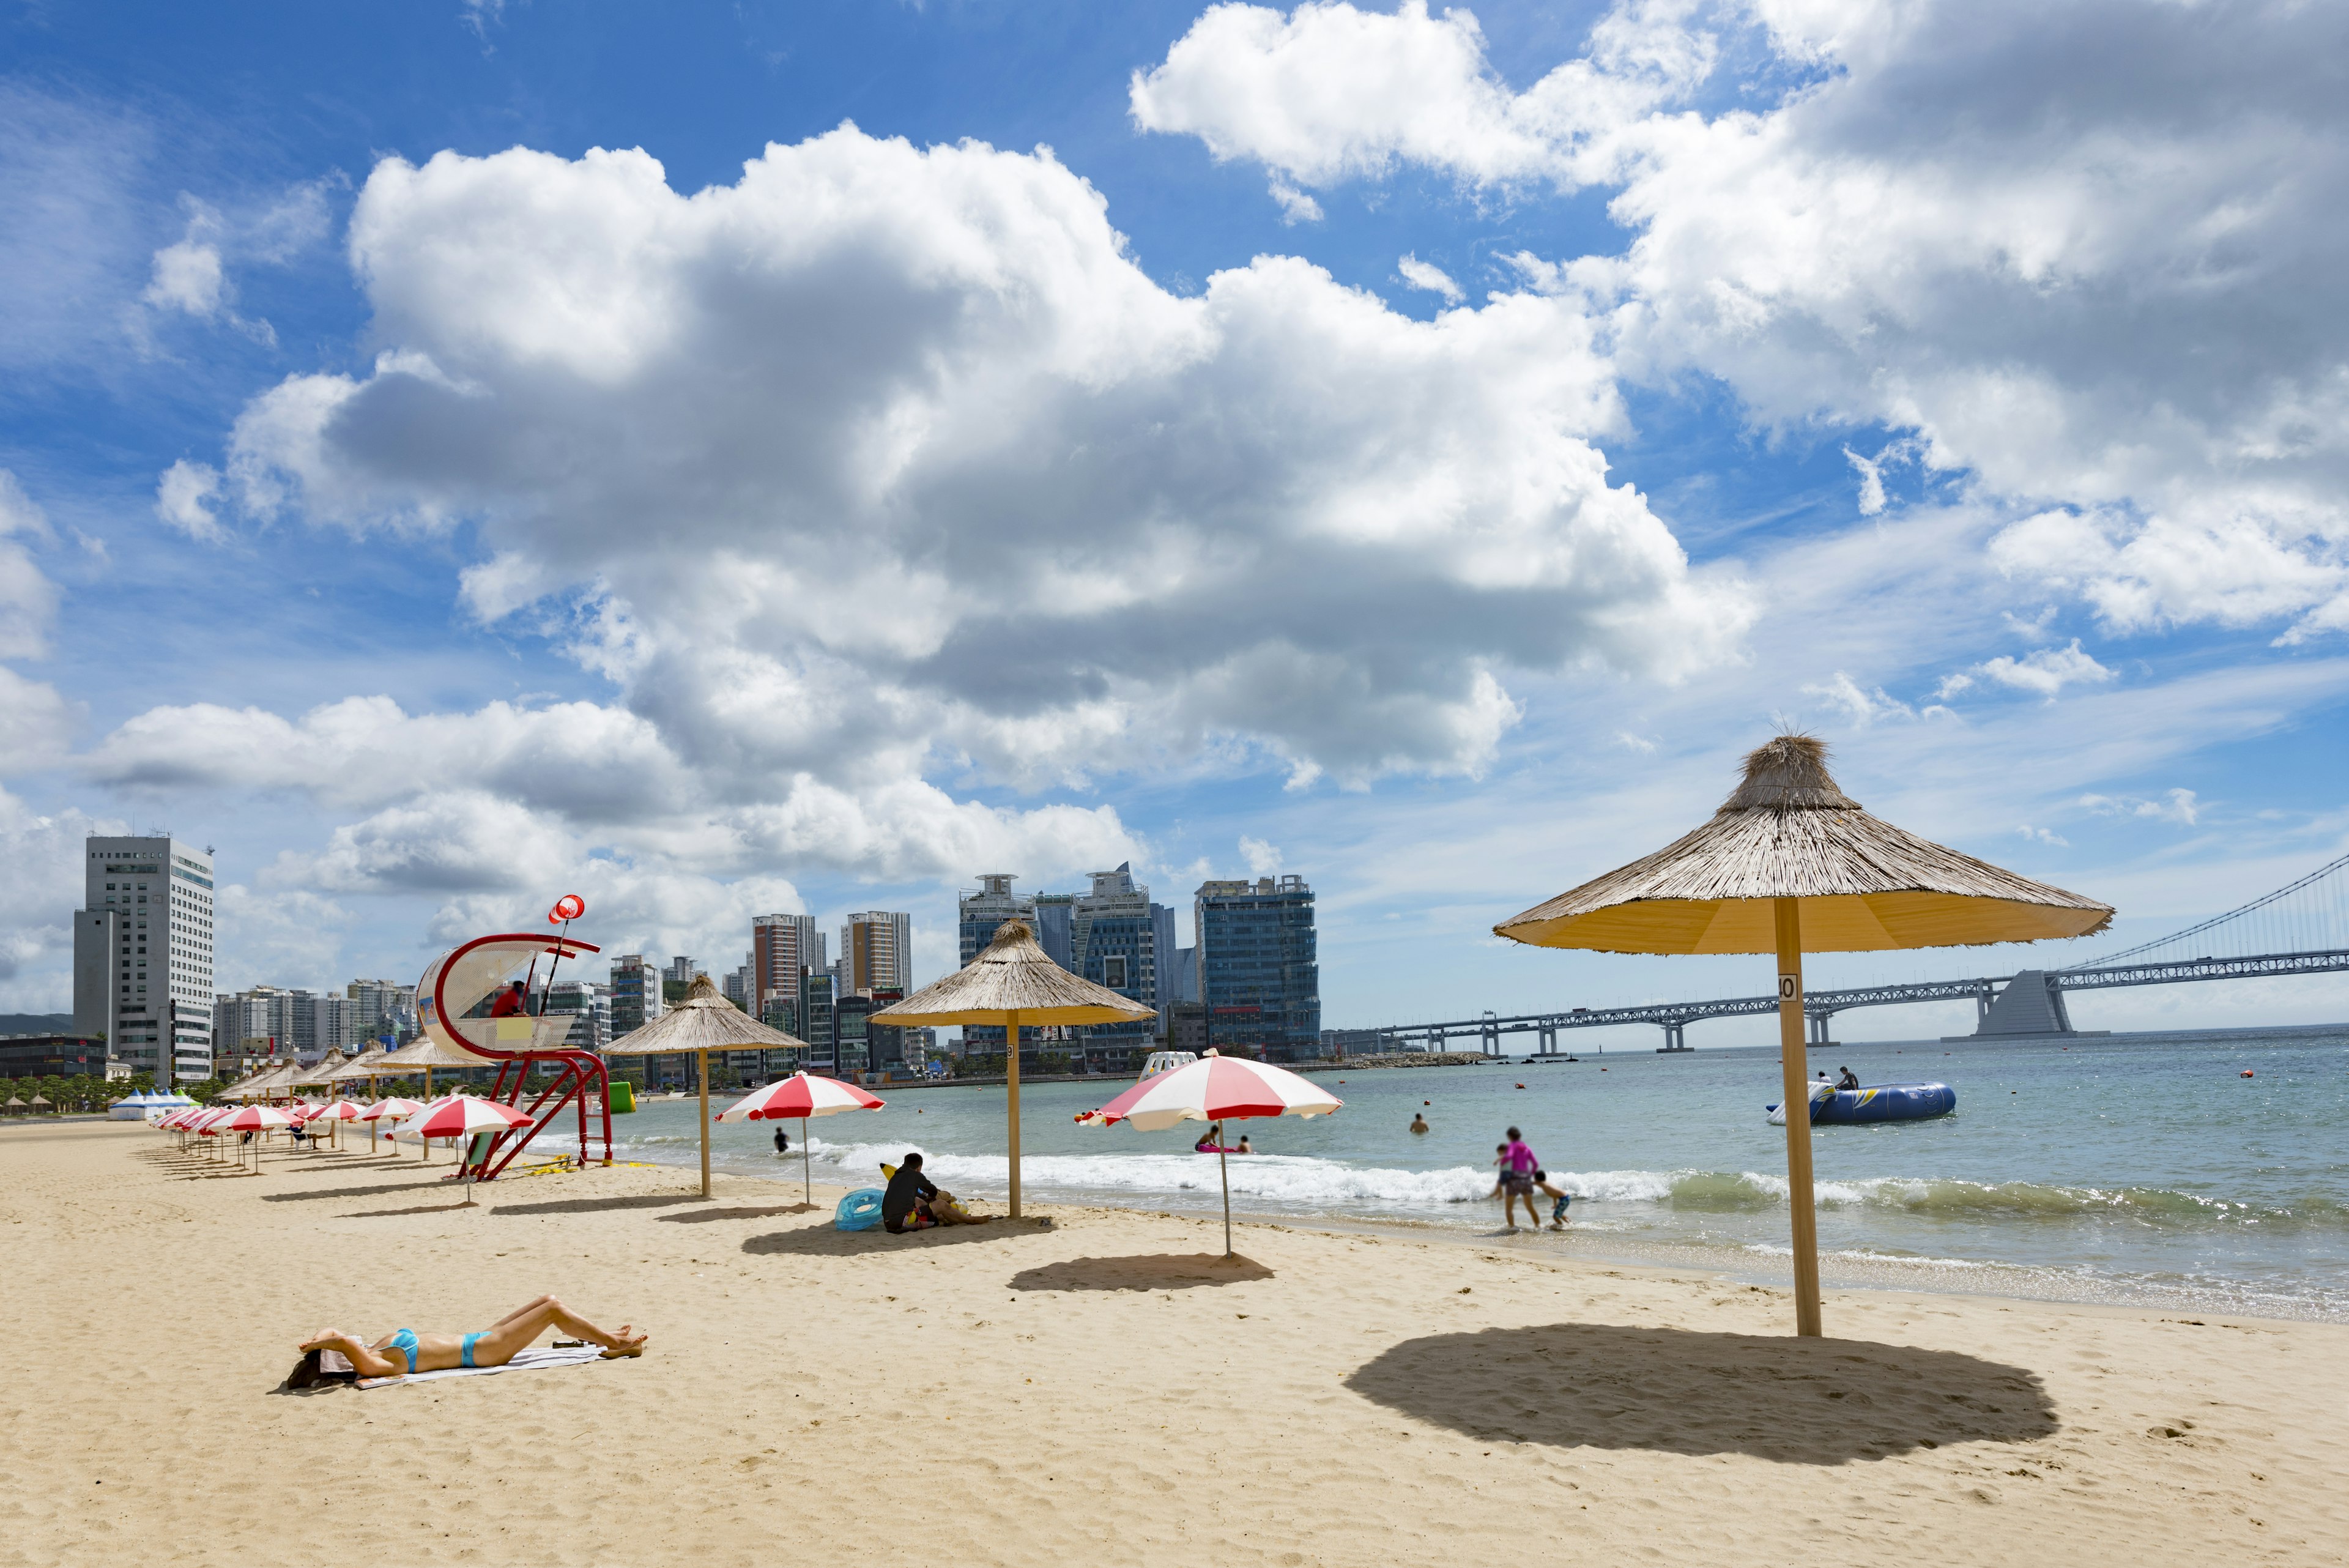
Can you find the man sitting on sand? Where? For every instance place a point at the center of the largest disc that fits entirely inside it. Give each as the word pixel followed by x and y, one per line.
pixel 399 1353
pixel 907 1192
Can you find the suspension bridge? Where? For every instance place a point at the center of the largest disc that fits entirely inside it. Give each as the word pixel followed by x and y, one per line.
pixel 2302 928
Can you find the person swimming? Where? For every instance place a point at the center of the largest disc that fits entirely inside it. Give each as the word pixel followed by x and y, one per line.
pixel 1418 1122
pixel 406 1351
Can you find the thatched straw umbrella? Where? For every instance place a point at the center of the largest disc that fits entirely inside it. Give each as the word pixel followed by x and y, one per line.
pixel 1012 982
pixel 368 1064
pixel 1790 864
pixel 704 1022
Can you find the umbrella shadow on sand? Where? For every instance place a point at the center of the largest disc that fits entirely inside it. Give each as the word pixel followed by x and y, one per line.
pixel 347 1193
pixel 703 1216
pixel 824 1241
pixel 602 1205
pixel 1795 1401
pixel 1165 1271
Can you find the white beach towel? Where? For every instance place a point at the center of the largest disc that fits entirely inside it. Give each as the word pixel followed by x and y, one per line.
pixel 524 1361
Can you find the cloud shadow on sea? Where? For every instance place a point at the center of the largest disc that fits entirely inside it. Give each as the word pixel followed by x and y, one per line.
pixel 1163 1272
pixel 1795 1401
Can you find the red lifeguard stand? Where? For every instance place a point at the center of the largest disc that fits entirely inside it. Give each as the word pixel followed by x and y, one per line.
pixel 452 1002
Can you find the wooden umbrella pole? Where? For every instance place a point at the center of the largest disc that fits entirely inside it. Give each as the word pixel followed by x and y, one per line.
pixel 1011 1085
pixel 704 1055
pixel 1794 1078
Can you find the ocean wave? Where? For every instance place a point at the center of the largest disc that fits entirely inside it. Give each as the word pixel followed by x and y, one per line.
pixel 1304 1182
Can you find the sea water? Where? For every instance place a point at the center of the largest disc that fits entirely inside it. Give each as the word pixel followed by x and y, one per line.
pixel 2137 1169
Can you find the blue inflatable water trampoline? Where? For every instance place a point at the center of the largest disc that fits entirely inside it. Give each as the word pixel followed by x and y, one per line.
pixel 1875 1102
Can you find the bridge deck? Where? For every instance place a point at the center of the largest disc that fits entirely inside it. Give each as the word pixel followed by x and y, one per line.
pixel 1672 1016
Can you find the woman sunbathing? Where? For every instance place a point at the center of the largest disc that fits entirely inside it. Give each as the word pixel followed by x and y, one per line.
pixel 406 1351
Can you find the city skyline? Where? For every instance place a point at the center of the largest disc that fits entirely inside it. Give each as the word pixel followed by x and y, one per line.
pixel 1208 461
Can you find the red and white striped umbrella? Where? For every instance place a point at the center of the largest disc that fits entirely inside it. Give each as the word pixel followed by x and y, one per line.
pixel 337 1111
pixel 460 1115
pixel 252 1118
pixel 209 1123
pixel 391 1107
pixel 1215 1089
pixel 798 1097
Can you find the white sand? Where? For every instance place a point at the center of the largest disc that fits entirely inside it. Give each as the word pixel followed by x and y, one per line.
pixel 1099 1389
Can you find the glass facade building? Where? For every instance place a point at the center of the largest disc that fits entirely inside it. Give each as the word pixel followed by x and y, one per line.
pixel 1259 968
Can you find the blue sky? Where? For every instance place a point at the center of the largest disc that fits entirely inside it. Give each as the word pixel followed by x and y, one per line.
pixel 1415 451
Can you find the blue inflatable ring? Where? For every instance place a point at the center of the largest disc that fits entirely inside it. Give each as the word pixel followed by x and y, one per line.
pixel 860 1210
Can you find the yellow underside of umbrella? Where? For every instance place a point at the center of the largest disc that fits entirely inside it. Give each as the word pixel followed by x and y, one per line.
pixel 909 1011
pixel 1855 922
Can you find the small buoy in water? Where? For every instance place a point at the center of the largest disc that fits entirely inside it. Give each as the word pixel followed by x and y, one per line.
pixel 2247 1071
pixel 1427 1102
pixel 1520 1085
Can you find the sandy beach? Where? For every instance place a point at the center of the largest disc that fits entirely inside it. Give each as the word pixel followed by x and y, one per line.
pixel 1093 1386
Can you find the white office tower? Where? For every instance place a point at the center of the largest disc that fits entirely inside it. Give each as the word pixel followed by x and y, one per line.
pixel 143 955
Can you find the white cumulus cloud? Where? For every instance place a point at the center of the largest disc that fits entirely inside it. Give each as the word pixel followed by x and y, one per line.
pixel 2044 671
pixel 2102 277
pixel 1430 277
pixel 884 456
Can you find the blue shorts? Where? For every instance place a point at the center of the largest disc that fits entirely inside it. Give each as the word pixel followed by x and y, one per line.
pixel 467 1350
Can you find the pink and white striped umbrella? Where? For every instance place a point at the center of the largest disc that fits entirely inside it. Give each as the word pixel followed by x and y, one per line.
pixel 209 1123
pixel 798 1097
pixel 1215 1089
pixel 337 1111
pixel 391 1107
pixel 460 1115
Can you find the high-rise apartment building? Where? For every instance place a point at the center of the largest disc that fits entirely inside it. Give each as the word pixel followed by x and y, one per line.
pixel 1056 914
pixel 815 1019
pixel 782 948
pixel 878 949
pixel 143 955
pixel 590 1003
pixel 380 1009
pixel 978 914
pixel 636 989
pixel 1115 940
pixel 982 911
pixel 1259 968
pixel 681 970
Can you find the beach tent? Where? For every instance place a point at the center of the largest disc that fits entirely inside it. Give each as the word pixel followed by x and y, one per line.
pixel 1013 981
pixel 1791 865
pixel 704 1022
